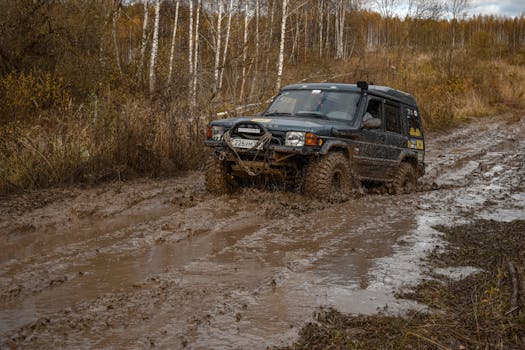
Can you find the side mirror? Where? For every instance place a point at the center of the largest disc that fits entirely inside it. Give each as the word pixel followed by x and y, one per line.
pixel 370 122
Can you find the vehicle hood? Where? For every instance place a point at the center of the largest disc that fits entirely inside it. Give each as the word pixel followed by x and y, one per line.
pixel 308 124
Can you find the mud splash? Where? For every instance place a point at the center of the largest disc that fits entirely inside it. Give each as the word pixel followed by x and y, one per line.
pixel 161 263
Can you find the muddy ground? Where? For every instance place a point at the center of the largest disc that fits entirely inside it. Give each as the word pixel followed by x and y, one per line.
pixel 161 263
pixel 478 309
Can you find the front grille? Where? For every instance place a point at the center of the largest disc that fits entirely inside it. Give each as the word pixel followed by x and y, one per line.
pixel 278 137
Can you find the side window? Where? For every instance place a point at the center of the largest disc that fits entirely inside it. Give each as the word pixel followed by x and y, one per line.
pixel 393 120
pixel 374 108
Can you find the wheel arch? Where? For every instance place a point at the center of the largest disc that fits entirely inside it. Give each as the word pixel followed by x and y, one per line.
pixel 336 146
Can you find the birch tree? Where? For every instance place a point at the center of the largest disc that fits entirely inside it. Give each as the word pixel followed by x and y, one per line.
pixel 456 8
pixel 196 56
pixel 386 8
pixel 190 48
pixel 270 33
pixel 226 41
pixel 340 14
pixel 244 49
pixel 144 38
pixel 257 44
pixel 281 47
pixel 154 48
pixel 173 37
pixel 320 18
pixel 217 47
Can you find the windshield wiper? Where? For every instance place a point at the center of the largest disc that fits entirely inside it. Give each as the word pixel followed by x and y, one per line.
pixel 277 114
pixel 312 114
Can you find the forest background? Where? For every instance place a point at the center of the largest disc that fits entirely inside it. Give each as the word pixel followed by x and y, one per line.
pixel 108 89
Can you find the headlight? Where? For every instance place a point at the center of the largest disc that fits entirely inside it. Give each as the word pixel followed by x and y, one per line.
pixel 295 138
pixel 216 132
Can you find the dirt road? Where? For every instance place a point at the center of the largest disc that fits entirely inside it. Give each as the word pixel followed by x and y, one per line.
pixel 164 264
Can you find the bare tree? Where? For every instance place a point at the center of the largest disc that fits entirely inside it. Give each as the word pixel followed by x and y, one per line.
pixel 244 49
pixel 190 47
pixel 226 42
pixel 340 14
pixel 217 46
pixel 425 9
pixel 386 8
pixel 455 9
pixel 196 55
pixel 268 45
pixel 320 19
pixel 173 36
pixel 154 48
pixel 281 47
pixel 144 38
pixel 257 44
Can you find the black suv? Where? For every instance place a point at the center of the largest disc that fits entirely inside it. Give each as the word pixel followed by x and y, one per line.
pixel 328 138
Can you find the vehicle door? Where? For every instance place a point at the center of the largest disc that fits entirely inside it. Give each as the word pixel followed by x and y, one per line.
pixel 396 139
pixel 371 155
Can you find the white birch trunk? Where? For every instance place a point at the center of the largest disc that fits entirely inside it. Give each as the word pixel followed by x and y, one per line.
pixel 190 49
pixel 321 18
pixel 339 29
pixel 327 36
pixel 281 47
pixel 196 55
pixel 257 44
pixel 226 42
pixel 154 48
pixel 144 38
pixel 173 37
pixel 218 47
pixel 244 50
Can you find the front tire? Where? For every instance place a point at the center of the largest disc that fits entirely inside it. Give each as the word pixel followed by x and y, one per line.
pixel 330 178
pixel 217 178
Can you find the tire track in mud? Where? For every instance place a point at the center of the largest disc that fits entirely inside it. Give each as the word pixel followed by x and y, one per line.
pixel 162 263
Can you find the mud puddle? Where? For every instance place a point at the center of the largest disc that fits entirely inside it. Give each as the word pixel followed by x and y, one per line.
pixel 162 263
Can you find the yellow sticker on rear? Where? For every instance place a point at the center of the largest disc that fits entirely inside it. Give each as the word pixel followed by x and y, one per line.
pixel 415 132
pixel 261 120
pixel 420 144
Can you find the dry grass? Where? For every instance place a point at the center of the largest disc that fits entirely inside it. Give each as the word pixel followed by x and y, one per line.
pixel 97 142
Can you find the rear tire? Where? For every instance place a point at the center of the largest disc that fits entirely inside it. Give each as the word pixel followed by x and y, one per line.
pixel 218 180
pixel 405 179
pixel 330 178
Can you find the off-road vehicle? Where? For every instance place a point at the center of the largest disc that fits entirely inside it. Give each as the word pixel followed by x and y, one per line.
pixel 327 138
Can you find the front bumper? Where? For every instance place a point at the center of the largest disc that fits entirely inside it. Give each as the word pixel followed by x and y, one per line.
pixel 277 160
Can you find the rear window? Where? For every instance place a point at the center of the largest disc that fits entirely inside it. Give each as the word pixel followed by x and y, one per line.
pixel 393 120
pixel 414 122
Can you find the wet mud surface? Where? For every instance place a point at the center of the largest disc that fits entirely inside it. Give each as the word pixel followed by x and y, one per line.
pixel 164 264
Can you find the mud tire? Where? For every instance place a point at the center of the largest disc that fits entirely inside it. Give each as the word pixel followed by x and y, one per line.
pixel 218 180
pixel 330 178
pixel 405 179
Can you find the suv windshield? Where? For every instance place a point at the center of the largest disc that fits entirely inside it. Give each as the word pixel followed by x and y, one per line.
pixel 339 105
